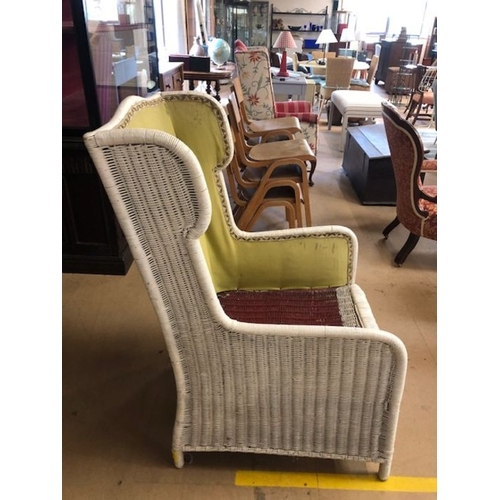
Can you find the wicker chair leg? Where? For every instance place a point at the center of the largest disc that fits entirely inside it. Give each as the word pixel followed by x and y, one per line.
pixel 390 227
pixel 178 457
pixel 384 471
pixel 407 248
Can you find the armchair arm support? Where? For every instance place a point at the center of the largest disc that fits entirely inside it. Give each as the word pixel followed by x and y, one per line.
pixel 425 196
pixel 310 257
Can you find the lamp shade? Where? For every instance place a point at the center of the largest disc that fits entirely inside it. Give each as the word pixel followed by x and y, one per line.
pixel 326 36
pixel 285 41
pixel 360 35
pixel 347 35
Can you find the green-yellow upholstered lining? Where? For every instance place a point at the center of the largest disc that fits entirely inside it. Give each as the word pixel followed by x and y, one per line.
pixel 152 118
pixel 237 263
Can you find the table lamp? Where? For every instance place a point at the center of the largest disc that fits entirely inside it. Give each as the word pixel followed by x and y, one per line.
pixel 284 41
pixel 347 36
pixel 325 37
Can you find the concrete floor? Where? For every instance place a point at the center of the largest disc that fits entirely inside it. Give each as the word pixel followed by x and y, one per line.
pixel 118 392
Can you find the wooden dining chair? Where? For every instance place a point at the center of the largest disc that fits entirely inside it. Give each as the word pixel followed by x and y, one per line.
pixel 362 84
pixel 338 77
pixel 266 128
pixel 272 160
pixel 421 102
pixel 249 202
pixel 254 70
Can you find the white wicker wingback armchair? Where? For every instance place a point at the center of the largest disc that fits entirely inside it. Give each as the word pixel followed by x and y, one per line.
pixel 290 389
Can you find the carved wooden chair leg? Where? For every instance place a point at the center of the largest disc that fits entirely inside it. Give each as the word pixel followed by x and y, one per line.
pixel 407 248
pixel 417 112
pixel 313 168
pixel 390 227
pixel 412 105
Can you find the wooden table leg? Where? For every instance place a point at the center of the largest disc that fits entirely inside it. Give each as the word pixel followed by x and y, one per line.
pixel 217 89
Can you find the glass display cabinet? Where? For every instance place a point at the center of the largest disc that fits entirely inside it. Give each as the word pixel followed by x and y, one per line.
pixel 109 51
pixel 244 20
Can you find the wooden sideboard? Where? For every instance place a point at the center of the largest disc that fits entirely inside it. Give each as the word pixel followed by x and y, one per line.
pixel 171 76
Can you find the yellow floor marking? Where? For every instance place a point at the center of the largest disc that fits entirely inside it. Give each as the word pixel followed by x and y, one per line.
pixel 369 482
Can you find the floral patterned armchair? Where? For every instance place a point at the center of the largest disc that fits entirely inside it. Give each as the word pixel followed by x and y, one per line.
pixel 254 70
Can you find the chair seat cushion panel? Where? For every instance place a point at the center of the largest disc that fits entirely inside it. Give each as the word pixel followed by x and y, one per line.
pixel 429 224
pixel 328 307
pixel 293 148
pixel 290 123
pixel 429 165
pixel 424 98
pixel 359 82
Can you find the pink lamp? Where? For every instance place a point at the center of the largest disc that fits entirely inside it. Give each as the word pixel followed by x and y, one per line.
pixel 284 41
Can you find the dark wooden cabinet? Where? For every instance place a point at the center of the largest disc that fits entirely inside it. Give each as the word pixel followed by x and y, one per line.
pixel 92 240
pixel 392 52
pixel 103 61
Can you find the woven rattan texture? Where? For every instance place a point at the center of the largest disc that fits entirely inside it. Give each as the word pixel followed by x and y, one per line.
pixel 331 306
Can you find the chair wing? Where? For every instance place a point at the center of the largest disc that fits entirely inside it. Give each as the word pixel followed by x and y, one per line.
pixel 290 389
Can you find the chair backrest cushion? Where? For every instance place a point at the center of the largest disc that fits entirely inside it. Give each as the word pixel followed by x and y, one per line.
pixel 254 71
pixel 338 73
pixel 200 122
pixel 407 155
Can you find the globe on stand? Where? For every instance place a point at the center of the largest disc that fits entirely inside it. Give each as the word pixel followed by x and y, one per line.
pixel 219 51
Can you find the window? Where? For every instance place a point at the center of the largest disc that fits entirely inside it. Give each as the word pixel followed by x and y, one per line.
pixel 387 17
pixel 170 18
